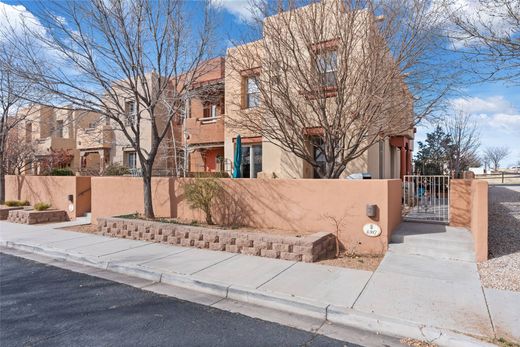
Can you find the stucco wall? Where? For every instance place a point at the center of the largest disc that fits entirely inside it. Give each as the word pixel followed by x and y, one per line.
pixel 469 209
pixel 51 189
pixel 479 218
pixel 114 196
pixel 460 203
pixel 308 205
pixel 297 205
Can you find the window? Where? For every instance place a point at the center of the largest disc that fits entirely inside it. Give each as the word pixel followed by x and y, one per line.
pixel 252 93
pixel 251 161
pixel 209 111
pixel 131 112
pixel 318 147
pixel 58 131
pixel 326 66
pixel 28 132
pixel 131 160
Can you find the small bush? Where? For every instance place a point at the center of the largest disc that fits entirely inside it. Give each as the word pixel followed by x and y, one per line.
pixel 217 174
pixel 200 193
pixel 116 170
pixel 41 206
pixel 62 172
pixel 17 203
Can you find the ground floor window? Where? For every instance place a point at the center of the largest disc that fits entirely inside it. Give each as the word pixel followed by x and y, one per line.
pixel 318 147
pixel 131 160
pixel 251 160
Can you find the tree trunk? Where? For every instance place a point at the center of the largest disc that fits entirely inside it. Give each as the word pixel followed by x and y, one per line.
pixel 147 189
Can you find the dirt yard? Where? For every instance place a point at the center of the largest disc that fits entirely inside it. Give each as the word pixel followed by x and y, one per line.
pixel 502 270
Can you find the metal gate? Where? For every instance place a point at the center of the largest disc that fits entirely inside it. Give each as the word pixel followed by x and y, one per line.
pixel 426 198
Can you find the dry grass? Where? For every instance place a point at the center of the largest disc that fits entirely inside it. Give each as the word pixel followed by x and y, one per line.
pixel 416 343
pixel 85 228
pixel 358 262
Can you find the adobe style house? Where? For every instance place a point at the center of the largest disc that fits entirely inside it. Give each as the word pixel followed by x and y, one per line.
pixel 50 130
pixel 203 138
pixel 250 65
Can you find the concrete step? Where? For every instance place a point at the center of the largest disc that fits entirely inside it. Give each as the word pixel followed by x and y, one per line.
pixel 433 236
pixel 433 251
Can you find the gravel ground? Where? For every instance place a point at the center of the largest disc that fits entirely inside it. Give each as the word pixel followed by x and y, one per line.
pixel 502 270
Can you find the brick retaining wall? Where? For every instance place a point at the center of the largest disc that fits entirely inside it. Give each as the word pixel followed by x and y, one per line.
pixel 35 217
pixel 4 211
pixel 308 248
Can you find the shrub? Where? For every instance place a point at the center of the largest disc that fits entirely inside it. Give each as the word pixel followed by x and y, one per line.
pixel 62 172
pixel 17 203
pixel 217 174
pixel 41 206
pixel 200 193
pixel 116 170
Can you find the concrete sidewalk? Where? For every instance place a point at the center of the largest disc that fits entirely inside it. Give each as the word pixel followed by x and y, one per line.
pixel 409 295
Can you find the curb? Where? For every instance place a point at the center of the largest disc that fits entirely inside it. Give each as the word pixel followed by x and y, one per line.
pixel 292 304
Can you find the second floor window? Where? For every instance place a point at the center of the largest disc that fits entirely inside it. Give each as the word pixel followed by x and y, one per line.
pixel 209 111
pixel 58 132
pixel 252 93
pixel 326 66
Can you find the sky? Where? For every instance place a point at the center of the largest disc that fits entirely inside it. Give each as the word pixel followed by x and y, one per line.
pixel 495 107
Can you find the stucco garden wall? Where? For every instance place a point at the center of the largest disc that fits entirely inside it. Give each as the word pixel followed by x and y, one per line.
pixel 469 208
pixel 304 205
pixel 51 189
pixel 114 196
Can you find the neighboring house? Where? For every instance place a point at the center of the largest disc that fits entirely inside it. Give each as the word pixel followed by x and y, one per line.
pixel 49 130
pixel 54 132
pixel 390 158
pixel 122 151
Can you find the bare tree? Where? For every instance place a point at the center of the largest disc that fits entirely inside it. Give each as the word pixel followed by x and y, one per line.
pixel 18 155
pixel 336 77
pixel 486 32
pixel 495 155
pixel 130 61
pixel 13 91
pixel 463 141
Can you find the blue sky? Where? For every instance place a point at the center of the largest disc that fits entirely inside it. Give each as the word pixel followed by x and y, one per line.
pixel 494 106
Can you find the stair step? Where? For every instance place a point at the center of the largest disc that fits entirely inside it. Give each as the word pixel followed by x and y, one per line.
pixel 427 242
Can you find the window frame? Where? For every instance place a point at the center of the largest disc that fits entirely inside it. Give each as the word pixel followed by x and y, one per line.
pixel 326 67
pixel 128 162
pixel 251 95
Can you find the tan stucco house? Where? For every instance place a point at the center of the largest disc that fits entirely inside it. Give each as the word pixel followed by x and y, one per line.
pixel 388 158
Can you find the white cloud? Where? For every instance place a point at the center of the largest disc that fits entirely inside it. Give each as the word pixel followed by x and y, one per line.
pixel 240 8
pixel 14 18
pixel 489 105
pixel 486 15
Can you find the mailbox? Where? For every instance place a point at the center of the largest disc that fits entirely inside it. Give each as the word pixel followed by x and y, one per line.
pixel 371 210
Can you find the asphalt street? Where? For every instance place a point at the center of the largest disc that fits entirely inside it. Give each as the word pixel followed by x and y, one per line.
pixel 41 305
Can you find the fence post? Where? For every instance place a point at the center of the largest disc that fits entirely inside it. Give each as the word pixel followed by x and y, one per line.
pixel 502 177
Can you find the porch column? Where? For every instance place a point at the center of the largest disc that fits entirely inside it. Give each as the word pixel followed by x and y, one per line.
pixel 101 153
pixel 403 161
